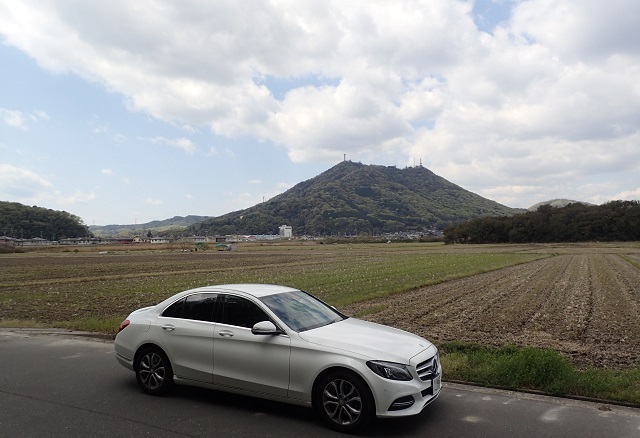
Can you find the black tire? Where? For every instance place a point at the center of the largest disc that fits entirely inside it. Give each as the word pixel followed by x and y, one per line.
pixel 153 371
pixel 343 401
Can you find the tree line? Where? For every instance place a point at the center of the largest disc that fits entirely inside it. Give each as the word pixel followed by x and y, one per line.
pixel 613 221
pixel 23 222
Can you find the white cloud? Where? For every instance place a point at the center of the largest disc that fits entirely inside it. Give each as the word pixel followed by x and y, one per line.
pixel 282 187
pixel 153 201
pixel 22 184
pixel 13 118
pixel 181 143
pixel 106 172
pixel 581 29
pixel 550 95
pixel 40 115
pixel 18 119
pixel 628 195
pixel 27 187
pixel 78 197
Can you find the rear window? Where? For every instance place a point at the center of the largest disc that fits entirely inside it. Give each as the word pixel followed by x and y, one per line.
pixel 198 307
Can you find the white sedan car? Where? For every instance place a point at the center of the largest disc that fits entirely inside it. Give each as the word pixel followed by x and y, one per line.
pixel 280 343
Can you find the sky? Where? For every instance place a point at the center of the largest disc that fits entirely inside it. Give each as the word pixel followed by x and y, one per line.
pixel 124 112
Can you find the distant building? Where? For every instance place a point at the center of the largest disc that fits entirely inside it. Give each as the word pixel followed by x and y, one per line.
pixel 286 231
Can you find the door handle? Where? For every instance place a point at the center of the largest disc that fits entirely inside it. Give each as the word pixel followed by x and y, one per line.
pixel 226 333
pixel 168 327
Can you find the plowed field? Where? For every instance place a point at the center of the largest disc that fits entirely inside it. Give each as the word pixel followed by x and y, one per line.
pixel 580 299
pixel 586 306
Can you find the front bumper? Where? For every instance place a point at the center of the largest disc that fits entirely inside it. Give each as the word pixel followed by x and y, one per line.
pixel 405 398
pixel 409 400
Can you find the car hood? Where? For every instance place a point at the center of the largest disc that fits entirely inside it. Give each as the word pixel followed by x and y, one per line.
pixel 377 342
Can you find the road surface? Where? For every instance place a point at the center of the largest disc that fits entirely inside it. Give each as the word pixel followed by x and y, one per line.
pixel 59 385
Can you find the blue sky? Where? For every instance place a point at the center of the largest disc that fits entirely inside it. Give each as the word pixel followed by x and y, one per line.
pixel 123 112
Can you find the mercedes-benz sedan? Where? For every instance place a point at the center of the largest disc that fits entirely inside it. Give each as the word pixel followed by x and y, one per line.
pixel 280 343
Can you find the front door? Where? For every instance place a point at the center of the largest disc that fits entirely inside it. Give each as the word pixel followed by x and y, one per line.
pixel 242 360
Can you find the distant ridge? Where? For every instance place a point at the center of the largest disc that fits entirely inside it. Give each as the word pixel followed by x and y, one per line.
pixel 176 224
pixel 352 198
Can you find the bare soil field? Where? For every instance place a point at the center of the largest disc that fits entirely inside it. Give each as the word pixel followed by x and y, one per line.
pixel 585 305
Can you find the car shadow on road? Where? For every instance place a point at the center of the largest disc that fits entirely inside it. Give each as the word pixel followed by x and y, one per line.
pixel 242 410
pixel 301 416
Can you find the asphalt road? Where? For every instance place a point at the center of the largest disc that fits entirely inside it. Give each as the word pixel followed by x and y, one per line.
pixel 54 385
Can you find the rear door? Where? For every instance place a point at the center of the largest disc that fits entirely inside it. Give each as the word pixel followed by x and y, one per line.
pixel 186 330
pixel 242 360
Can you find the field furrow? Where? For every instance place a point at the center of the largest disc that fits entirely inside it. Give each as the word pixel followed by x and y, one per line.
pixel 584 305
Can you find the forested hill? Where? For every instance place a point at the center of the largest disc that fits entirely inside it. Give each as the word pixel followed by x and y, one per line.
pixel 23 222
pixel 352 198
pixel 576 222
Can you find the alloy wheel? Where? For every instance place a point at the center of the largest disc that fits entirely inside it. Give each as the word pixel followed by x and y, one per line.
pixel 152 370
pixel 342 402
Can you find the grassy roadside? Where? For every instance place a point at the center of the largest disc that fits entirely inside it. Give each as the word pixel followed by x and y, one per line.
pixel 537 369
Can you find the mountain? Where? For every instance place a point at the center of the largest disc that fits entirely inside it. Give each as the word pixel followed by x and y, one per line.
pixel 176 225
pixel 352 198
pixel 559 203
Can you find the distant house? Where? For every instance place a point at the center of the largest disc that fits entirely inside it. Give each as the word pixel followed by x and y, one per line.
pixel 158 240
pixel 286 231
pixel 79 241
pixel 36 241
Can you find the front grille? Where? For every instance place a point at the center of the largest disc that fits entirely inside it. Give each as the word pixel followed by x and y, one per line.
pixel 428 369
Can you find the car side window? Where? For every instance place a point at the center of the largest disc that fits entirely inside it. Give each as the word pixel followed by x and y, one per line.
pixel 175 310
pixel 198 307
pixel 241 312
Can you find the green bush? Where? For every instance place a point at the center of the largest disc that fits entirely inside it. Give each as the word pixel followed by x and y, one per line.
pixel 536 369
pixel 546 370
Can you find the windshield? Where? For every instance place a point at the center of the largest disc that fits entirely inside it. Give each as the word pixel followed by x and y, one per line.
pixel 301 311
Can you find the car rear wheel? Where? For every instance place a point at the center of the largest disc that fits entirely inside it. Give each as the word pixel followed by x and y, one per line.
pixel 344 401
pixel 153 371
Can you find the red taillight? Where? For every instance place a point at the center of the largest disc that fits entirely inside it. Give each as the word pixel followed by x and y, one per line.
pixel 123 325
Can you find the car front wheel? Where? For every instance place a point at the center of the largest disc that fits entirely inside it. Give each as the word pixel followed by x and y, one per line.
pixel 153 371
pixel 344 401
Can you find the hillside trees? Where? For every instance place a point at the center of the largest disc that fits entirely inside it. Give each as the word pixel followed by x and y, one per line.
pixel 24 222
pixel 613 221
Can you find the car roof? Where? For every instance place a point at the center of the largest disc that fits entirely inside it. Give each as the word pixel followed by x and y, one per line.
pixel 254 289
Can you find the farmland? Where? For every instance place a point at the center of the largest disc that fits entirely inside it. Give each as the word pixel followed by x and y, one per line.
pixel 581 300
pixel 585 305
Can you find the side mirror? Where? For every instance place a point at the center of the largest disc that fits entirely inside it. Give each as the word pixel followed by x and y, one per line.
pixel 265 328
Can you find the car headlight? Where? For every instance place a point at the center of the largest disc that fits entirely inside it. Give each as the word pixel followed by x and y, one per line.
pixel 390 370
